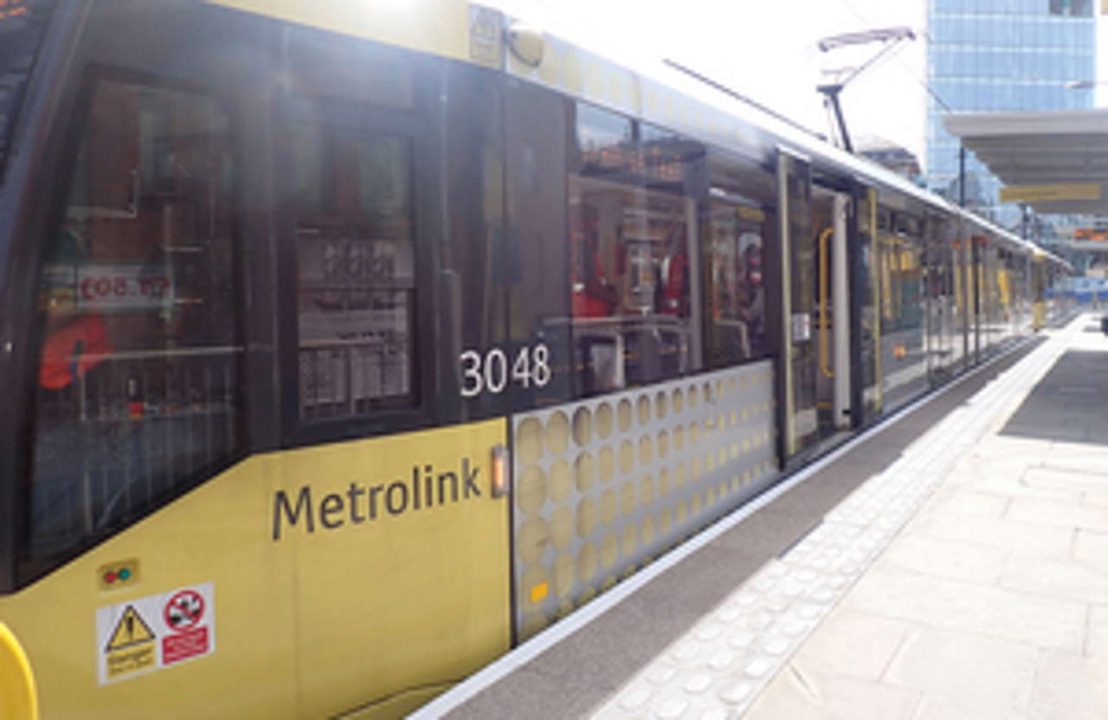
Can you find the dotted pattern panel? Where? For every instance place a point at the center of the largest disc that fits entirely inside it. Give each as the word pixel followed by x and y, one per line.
pixel 603 486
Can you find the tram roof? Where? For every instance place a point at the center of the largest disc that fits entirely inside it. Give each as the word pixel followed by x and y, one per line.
pixel 652 91
pixel 659 93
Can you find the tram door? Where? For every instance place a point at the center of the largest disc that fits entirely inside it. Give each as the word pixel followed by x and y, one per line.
pixel 812 228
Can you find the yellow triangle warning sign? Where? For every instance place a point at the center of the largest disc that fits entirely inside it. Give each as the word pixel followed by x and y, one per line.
pixel 131 630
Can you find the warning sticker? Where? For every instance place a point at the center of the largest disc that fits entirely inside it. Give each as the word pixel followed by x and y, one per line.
pixel 154 632
pixel 131 630
pixel 130 648
pixel 184 615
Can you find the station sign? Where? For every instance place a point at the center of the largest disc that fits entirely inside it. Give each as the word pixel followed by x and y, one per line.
pixel 1046 193
pixel 1096 234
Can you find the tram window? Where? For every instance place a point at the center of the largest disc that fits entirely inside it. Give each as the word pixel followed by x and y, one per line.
pixel 631 217
pixel 537 259
pixel 735 232
pixel 356 294
pixel 471 268
pixel 901 247
pixel 138 392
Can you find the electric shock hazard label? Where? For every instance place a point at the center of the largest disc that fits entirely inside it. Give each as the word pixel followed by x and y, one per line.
pixel 155 632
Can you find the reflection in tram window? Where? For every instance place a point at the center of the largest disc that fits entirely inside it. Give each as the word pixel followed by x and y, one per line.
pixel 537 258
pixel 944 338
pixel 631 220
pixel 354 258
pixel 138 391
pixel 903 359
pixel 868 289
pixel 735 288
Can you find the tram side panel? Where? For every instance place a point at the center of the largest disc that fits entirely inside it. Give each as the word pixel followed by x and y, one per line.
pixel 396 318
pixel 666 282
pixel 332 576
pixel 173 561
pixel 604 486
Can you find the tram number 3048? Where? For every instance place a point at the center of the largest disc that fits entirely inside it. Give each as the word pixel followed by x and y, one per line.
pixel 492 372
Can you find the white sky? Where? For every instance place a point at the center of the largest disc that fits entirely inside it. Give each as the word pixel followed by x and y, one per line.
pixel 767 50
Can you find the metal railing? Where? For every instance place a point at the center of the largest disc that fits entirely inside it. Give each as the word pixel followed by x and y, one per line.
pixel 131 431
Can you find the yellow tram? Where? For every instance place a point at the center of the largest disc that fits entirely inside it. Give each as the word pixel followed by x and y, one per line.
pixel 349 344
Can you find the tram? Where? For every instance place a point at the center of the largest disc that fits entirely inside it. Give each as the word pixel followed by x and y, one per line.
pixel 351 344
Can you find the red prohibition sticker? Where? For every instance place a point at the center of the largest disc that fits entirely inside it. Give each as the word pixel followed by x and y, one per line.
pixel 184 610
pixel 156 632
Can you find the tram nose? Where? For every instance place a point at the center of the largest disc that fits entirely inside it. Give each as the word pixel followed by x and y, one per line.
pixel 18 699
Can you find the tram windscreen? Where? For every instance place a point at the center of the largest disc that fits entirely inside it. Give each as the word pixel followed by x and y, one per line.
pixel 137 383
pixel 22 24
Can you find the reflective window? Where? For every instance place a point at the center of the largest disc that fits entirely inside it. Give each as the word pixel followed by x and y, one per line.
pixel 632 218
pixel 903 359
pixel 138 392
pixel 536 129
pixel 356 270
pixel 352 193
pixel 901 285
pixel 736 229
pixel 22 35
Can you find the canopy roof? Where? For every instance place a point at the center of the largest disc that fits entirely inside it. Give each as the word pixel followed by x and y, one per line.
pixel 1056 162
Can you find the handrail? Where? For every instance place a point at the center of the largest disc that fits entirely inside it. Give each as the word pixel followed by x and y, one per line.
pixel 824 336
pixel 164 354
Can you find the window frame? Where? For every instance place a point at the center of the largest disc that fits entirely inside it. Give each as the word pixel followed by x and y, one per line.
pixel 682 191
pixel 359 118
pixel 748 163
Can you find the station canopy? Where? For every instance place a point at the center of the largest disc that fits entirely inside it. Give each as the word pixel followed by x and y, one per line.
pixel 1056 162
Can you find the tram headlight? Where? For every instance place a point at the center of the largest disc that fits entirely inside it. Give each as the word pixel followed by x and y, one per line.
pixel 499 472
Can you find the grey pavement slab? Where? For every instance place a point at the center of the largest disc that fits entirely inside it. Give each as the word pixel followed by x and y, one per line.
pixel 1070 404
pixel 1000 582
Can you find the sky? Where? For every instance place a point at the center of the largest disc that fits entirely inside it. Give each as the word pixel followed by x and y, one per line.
pixel 767 51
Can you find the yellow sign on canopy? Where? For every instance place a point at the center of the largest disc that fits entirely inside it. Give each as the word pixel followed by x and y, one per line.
pixel 1056 191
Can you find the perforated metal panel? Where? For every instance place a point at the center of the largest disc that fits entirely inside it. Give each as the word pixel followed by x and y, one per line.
pixel 603 486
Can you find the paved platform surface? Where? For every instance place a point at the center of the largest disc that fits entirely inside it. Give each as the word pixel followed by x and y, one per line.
pixel 954 565
pixel 993 601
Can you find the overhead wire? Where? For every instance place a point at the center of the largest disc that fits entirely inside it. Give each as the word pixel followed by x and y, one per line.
pixel 899 61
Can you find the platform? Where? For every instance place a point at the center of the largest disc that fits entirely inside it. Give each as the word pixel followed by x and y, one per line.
pixel 951 563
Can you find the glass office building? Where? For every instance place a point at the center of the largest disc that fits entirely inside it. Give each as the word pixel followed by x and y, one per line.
pixel 1001 55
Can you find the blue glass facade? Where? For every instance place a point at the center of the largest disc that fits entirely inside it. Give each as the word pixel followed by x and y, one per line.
pixel 1001 55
